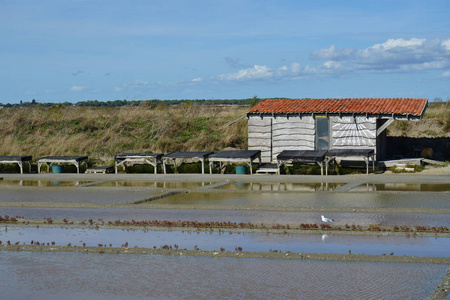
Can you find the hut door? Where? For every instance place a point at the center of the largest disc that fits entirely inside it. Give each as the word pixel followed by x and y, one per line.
pixel 322 133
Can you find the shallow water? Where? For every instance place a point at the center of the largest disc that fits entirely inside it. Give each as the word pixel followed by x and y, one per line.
pixel 420 187
pixel 326 199
pixel 42 183
pixel 281 186
pixel 76 195
pixel 26 275
pixel 260 242
pixel 153 184
pixel 238 216
pixel 51 276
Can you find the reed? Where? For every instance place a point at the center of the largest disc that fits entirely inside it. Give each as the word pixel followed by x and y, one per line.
pixel 104 132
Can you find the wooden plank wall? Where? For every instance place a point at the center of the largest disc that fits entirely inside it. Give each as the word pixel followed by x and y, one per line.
pixel 259 136
pixel 280 133
pixel 349 132
pixel 293 133
pixel 272 135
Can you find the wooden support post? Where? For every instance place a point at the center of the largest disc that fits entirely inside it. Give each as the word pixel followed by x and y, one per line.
pixel 203 165
pixel 321 168
pixel 164 165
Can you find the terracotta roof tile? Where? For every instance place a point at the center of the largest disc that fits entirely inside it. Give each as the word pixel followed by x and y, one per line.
pixel 402 106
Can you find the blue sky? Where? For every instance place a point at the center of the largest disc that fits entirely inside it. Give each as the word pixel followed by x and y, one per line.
pixel 77 50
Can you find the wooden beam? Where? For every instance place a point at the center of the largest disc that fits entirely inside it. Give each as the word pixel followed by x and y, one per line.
pixel 232 122
pixel 384 126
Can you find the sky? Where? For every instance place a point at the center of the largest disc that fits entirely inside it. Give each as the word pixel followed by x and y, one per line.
pixel 79 50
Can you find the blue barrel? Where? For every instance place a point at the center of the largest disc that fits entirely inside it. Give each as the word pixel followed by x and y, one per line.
pixel 241 169
pixel 56 169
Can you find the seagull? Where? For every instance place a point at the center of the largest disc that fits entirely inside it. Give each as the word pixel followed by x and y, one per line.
pixel 326 220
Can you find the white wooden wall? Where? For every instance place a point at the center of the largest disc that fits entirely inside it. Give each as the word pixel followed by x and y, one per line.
pixel 280 133
pixel 272 135
pixel 260 136
pixel 293 133
pixel 349 132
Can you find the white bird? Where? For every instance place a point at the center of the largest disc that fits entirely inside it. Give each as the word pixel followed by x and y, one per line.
pixel 326 220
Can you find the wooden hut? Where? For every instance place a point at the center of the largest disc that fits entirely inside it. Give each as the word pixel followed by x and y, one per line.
pixel 275 125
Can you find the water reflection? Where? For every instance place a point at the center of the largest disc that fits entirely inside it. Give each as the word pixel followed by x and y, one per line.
pixel 375 200
pixel 25 275
pixel 420 187
pixel 260 241
pixel 238 216
pixel 76 195
pixel 282 186
pixel 43 183
pixel 153 184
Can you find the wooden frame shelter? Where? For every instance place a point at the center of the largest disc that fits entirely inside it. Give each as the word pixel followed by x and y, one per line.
pixel 132 158
pixel 275 125
pixel 20 160
pixel 240 156
pixel 366 154
pixel 74 160
pixel 303 157
pixel 201 156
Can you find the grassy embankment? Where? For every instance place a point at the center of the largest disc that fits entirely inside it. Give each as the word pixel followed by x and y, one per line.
pixel 435 123
pixel 104 132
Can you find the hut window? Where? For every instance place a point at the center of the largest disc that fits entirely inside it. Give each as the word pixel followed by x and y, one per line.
pixel 322 133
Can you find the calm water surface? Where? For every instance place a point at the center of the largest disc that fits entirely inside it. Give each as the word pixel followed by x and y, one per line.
pixel 377 200
pixel 76 195
pixel 25 275
pixel 238 216
pixel 261 242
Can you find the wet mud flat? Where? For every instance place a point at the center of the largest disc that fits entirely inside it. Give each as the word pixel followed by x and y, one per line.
pixel 167 235
pixel 71 275
pixel 235 254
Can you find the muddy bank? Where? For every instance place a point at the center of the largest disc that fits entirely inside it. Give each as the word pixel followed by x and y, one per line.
pixel 429 175
pixel 443 289
pixel 231 227
pixel 235 254
pixel 225 207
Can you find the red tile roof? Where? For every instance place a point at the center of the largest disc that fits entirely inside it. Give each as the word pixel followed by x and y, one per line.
pixel 402 106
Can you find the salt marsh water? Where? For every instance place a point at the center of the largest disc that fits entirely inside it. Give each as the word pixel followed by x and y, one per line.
pixel 377 200
pixel 420 187
pixel 40 275
pixel 238 216
pixel 70 276
pixel 76 195
pixel 255 242
pixel 42 183
pixel 280 186
pixel 153 184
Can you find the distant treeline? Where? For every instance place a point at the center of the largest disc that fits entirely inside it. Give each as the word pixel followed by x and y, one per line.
pixel 154 102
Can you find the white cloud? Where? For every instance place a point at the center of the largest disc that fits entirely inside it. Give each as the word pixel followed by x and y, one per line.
pixel 394 55
pixel 398 43
pixel 332 53
pixel 445 74
pixel 136 84
pixel 446 44
pixel 78 88
pixel 255 72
